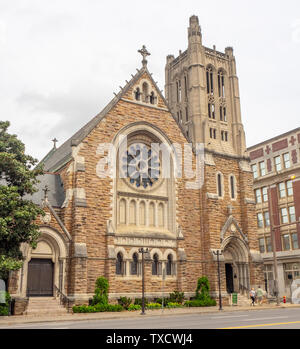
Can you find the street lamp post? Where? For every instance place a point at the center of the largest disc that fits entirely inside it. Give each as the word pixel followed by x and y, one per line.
pixel 218 253
pixel 272 230
pixel 143 251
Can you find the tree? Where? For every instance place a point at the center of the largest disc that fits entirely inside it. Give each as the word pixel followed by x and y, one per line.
pixel 18 177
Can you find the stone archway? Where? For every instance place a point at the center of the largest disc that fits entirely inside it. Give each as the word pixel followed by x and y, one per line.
pixel 51 248
pixel 236 263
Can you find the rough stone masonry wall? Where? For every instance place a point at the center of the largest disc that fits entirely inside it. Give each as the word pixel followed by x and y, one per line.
pixel 99 200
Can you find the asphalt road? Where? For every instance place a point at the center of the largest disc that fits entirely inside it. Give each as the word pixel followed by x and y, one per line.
pixel 254 319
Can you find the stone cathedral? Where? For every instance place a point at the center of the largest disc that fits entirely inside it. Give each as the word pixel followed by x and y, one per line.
pixel 96 224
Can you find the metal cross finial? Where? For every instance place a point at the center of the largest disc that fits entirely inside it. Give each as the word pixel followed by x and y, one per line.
pixel 54 141
pixel 144 53
pixel 46 190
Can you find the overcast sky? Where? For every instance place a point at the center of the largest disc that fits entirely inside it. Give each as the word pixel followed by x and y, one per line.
pixel 61 60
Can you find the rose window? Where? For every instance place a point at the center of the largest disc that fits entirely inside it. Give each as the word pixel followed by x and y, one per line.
pixel 141 166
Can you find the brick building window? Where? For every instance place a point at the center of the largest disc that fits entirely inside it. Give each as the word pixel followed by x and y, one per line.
pixel 258 196
pixel 289 186
pixel 295 243
pixel 277 161
pixel 261 243
pixel 286 242
pixel 269 244
pixel 282 190
pixel 292 214
pixel 262 168
pixel 286 160
pixel 265 194
pixel 267 218
pixel 254 170
pixel 284 215
pixel 260 220
pixel 186 114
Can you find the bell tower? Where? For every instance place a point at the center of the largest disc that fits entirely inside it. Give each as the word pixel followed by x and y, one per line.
pixel 202 90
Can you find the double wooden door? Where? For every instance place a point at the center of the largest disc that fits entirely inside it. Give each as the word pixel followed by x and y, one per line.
pixel 40 278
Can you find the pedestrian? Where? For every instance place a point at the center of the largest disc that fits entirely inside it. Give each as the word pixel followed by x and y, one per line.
pixel 252 296
pixel 259 294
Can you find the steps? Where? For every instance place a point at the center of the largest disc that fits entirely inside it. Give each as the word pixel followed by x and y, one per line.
pixel 38 306
pixel 243 300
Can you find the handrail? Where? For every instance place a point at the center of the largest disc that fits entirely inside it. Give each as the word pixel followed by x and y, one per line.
pixel 63 299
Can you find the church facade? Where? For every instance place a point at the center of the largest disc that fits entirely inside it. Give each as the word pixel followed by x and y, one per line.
pixel 125 182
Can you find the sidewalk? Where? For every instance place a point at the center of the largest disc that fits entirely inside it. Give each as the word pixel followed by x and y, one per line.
pixel 22 319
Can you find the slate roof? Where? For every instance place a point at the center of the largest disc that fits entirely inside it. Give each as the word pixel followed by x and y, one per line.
pixel 56 194
pixel 63 154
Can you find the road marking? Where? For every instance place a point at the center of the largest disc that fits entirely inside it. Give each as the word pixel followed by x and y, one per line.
pixel 262 325
pixel 267 318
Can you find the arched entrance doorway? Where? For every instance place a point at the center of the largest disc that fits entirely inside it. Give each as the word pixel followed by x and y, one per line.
pixel 40 278
pixel 45 266
pixel 236 259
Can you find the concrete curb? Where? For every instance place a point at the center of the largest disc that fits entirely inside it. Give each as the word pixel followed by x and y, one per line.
pixel 25 319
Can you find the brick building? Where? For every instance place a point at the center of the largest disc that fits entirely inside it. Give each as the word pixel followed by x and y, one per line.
pixel 97 220
pixel 276 170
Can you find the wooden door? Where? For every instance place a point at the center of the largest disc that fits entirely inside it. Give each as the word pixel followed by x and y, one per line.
pixel 40 278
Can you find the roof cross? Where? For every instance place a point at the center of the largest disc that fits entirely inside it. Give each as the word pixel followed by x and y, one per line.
pixel 46 190
pixel 144 53
pixel 54 142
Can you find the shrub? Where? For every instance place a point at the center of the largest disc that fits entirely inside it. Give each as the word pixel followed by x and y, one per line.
pixel 125 302
pixel 176 297
pixel 101 291
pixel 201 303
pixel 174 305
pixel 98 308
pixel 4 308
pixel 202 291
pixel 153 306
pixel 138 301
pixel 134 307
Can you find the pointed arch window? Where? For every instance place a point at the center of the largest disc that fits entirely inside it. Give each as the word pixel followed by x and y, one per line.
pixel 137 94
pixel 134 264
pixel 152 98
pixel 232 187
pixel 145 92
pixel 156 265
pixel 221 84
pixel 209 81
pixel 120 265
pixel 219 185
pixel 170 266
pixel 211 111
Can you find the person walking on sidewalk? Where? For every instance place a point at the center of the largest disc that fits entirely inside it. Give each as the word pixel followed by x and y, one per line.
pixel 259 294
pixel 252 296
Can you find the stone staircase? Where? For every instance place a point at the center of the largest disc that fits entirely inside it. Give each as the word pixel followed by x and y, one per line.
pixel 38 306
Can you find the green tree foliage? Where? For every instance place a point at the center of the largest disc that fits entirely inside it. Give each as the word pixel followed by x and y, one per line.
pixel 18 178
pixel 101 291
